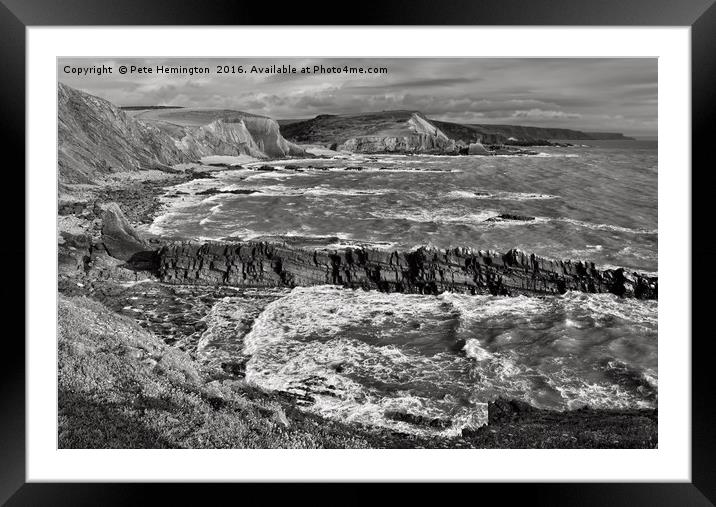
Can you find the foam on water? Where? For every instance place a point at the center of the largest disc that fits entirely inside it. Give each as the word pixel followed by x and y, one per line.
pixel 499 195
pixel 437 216
pixel 316 191
pixel 429 364
pixel 607 227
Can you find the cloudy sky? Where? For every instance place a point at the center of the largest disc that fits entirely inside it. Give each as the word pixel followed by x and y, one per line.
pixel 588 94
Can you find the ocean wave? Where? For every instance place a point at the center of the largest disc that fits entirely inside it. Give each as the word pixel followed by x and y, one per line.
pixel 384 169
pixel 436 216
pixel 541 154
pixel 390 359
pixel 275 175
pixel 491 217
pixel 228 321
pixel 299 345
pixel 378 245
pixel 605 227
pixel 295 235
pixel 499 195
pixel 475 351
pixel 317 191
pixel 600 308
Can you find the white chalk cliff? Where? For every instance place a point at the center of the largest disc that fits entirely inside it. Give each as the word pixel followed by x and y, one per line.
pixel 416 135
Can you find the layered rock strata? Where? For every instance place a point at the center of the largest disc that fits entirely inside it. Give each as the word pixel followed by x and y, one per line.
pixel 414 143
pixel 97 138
pixel 414 135
pixel 422 271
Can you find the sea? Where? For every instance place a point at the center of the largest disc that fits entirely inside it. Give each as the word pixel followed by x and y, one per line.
pixel 430 364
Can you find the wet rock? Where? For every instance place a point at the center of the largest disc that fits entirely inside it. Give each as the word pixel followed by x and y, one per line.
pixel 235 369
pixel 419 420
pixel 506 410
pixel 511 216
pixel 421 271
pixel 240 191
pixel 71 208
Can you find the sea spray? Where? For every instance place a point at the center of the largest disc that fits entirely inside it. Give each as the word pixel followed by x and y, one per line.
pixel 429 364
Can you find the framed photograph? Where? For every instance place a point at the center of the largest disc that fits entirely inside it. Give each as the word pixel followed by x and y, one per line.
pixel 423 247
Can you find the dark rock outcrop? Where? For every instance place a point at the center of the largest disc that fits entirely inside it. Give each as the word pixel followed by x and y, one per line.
pixel 239 191
pixel 118 236
pixel 422 271
pixel 511 217
pixel 504 410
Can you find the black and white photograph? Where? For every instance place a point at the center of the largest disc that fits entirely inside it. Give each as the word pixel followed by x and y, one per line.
pixel 385 253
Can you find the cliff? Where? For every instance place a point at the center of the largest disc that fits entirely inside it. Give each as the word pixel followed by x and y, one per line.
pixel 204 132
pixel 524 133
pixel 379 132
pixel 505 134
pixel 413 135
pixel 416 143
pixel 423 271
pixel 413 132
pixel 96 138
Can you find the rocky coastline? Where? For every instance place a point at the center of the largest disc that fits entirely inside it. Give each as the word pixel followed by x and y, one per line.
pixel 101 262
pixel 421 271
pixel 132 308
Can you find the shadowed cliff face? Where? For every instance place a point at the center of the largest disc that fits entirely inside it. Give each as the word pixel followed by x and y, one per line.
pixel 423 271
pixel 96 138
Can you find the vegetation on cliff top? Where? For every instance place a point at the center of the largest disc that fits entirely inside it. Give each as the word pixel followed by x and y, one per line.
pixel 336 129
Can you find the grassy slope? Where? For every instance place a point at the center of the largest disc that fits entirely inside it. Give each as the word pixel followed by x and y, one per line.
pixel 120 387
pixel 193 117
pixel 328 129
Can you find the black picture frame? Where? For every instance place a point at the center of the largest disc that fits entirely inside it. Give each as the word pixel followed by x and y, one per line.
pixel 700 15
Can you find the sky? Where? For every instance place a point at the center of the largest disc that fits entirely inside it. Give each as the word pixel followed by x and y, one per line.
pixel 592 94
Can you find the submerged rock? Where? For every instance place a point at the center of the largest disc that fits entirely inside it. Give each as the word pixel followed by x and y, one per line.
pixel 511 216
pixel 239 191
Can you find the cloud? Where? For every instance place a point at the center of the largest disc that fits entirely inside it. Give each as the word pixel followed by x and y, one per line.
pixel 541 114
pixel 580 93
